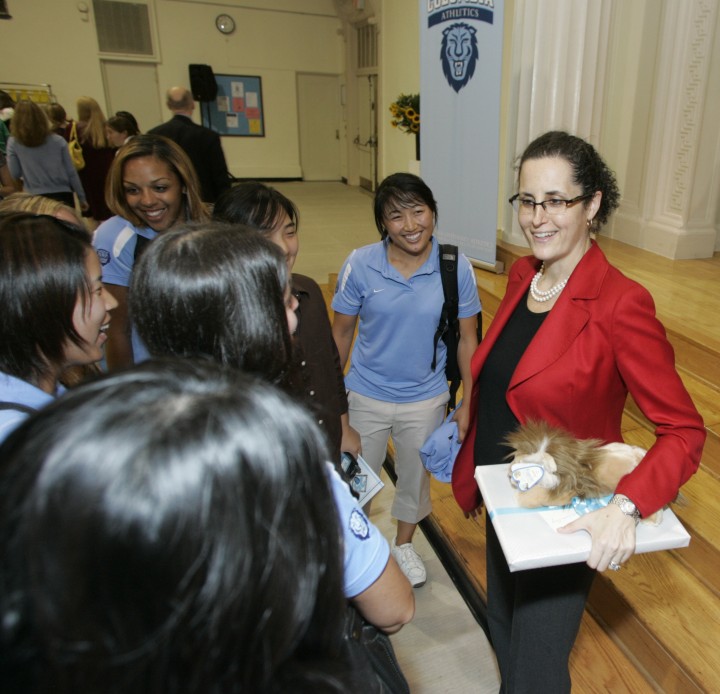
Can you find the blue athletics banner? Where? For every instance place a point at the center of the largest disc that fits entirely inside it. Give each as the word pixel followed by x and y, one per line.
pixel 460 65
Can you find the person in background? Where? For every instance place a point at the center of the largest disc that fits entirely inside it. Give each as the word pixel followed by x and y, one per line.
pixel 55 313
pixel 7 109
pixel 39 204
pixel 198 558
pixel 570 339
pixel 395 289
pixel 58 120
pixel 120 128
pixel 151 188
pixel 201 144
pixel 40 158
pixel 98 155
pixel 221 292
pixel 8 185
pixel 266 209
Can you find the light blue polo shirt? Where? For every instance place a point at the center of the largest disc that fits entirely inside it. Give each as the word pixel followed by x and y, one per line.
pixel 398 317
pixel 365 550
pixel 16 390
pixel 115 241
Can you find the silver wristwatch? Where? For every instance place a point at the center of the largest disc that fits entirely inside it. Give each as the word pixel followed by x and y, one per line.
pixel 626 506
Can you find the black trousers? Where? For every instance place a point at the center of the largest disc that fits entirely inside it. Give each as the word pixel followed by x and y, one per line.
pixel 533 618
pixel 65 198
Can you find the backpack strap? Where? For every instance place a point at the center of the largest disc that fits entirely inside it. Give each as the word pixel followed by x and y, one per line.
pixel 17 406
pixel 447 327
pixel 448 275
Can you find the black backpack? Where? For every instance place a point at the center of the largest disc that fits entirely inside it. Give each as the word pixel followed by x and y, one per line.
pixel 449 326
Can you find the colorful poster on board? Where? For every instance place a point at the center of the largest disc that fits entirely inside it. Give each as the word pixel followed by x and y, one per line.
pixel 238 108
pixel 460 70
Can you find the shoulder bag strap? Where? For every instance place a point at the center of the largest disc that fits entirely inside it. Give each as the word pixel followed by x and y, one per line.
pixel 448 275
pixel 17 406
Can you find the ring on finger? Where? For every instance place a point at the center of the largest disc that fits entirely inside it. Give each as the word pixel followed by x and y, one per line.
pixel 614 566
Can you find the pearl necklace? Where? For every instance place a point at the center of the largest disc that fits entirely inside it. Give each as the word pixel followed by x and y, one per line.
pixel 540 295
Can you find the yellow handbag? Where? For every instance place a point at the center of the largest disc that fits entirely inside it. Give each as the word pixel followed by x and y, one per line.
pixel 76 153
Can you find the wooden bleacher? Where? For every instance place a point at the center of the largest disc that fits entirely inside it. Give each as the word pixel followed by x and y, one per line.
pixel 655 625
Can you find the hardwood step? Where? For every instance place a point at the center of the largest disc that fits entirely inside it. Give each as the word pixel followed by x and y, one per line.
pixel 598 663
pixel 707 408
pixel 667 623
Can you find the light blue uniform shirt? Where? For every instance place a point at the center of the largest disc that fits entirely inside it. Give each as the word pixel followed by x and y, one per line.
pixel 115 240
pixel 16 390
pixel 393 351
pixel 366 551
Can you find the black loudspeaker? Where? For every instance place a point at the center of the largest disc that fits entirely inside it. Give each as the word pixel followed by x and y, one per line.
pixel 202 83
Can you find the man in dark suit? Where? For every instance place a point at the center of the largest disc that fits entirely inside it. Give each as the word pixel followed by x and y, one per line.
pixel 201 144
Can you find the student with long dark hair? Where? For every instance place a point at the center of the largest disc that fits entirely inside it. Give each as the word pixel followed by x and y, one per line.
pixel 321 377
pixel 218 291
pixel 166 530
pixel 221 292
pixel 55 310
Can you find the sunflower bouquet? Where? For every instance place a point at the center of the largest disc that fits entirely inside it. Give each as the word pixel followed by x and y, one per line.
pixel 406 113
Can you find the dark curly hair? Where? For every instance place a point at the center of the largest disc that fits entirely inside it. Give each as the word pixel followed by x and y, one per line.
pixel 589 169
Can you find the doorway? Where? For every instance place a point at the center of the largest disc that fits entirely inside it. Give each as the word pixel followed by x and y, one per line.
pixel 133 86
pixel 319 124
pixel 366 141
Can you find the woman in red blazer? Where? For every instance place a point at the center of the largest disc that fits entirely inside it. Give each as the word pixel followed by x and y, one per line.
pixel 570 339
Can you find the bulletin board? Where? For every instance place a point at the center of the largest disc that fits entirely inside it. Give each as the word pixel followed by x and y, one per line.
pixel 238 109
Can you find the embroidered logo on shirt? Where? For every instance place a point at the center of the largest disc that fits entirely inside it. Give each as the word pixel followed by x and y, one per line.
pixel 359 525
pixel 103 255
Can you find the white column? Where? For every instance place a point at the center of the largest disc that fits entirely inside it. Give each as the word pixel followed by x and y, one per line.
pixel 673 193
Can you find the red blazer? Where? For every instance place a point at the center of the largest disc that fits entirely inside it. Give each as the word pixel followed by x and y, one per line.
pixel 600 341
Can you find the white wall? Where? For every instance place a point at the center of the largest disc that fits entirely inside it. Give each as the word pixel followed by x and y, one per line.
pixel 47 41
pixel 399 74
pixel 272 44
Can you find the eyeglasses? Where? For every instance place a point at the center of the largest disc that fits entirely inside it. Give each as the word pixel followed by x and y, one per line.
pixel 525 207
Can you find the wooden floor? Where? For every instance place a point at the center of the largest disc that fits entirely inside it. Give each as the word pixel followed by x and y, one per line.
pixel 655 626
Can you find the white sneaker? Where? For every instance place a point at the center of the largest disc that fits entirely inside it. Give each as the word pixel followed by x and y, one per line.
pixel 410 563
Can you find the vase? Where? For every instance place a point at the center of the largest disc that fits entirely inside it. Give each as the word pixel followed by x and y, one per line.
pixel 417 145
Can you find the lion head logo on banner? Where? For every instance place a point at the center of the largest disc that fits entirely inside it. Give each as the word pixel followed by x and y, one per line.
pixel 459 54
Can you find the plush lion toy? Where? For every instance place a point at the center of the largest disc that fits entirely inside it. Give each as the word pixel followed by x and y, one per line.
pixel 550 467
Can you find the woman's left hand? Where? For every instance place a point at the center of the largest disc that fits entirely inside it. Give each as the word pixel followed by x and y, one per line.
pixel 612 533
pixel 462 418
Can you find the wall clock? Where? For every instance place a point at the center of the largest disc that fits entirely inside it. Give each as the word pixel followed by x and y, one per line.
pixel 225 24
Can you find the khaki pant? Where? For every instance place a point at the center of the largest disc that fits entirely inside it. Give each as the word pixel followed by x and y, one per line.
pixel 409 424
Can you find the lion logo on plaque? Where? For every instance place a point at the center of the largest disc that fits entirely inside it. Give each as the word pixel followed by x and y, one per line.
pixel 459 54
